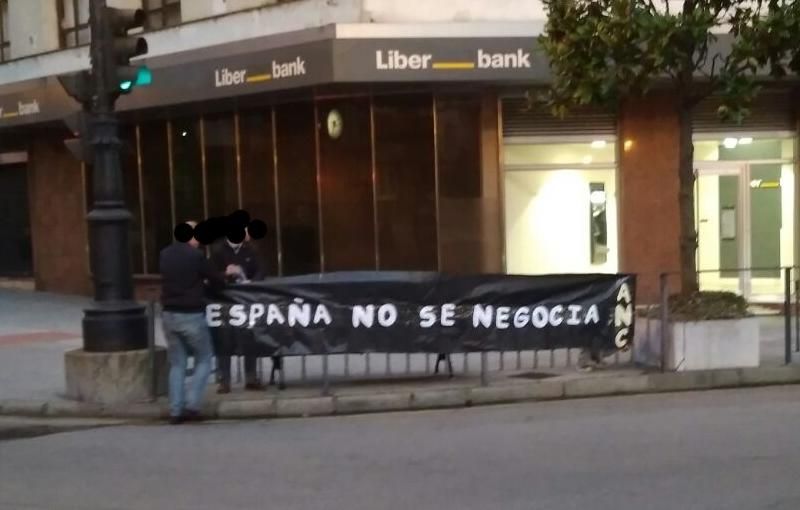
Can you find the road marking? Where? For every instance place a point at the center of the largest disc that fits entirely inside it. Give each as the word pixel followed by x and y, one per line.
pixel 36 337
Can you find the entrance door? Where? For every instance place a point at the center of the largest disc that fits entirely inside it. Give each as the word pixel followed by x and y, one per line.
pixel 561 221
pixel 15 233
pixel 743 220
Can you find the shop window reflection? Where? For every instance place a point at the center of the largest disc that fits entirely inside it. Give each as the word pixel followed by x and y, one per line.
pixel 258 179
pixel 187 170
pixel 130 174
pixel 460 190
pixel 348 226
pixel 297 188
pixel 406 182
pixel 155 190
pixel 220 151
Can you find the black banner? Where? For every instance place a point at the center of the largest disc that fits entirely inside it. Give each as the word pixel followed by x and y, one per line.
pixel 400 312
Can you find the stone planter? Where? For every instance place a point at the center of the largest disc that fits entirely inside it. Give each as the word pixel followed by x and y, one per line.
pixel 702 345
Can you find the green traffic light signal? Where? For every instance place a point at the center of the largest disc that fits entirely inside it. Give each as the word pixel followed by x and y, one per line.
pixel 144 77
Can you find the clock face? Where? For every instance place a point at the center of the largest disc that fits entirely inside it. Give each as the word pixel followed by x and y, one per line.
pixel 335 124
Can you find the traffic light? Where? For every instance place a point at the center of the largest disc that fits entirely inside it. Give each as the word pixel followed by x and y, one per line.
pixel 123 76
pixel 80 146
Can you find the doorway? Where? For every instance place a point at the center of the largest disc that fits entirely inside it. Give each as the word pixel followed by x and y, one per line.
pixel 744 221
pixel 16 256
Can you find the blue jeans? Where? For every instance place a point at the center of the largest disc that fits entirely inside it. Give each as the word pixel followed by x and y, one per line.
pixel 187 333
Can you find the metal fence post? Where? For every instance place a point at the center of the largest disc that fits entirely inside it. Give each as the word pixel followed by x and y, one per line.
pixel 151 347
pixel 484 369
pixel 787 310
pixel 326 383
pixel 664 282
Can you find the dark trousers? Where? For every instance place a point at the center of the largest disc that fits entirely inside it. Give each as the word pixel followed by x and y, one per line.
pixel 224 369
pixel 228 343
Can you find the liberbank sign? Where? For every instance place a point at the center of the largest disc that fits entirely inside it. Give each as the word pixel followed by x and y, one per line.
pixel 261 65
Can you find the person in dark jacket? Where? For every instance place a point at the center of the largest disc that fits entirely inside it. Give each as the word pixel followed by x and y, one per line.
pixel 247 265
pixel 184 273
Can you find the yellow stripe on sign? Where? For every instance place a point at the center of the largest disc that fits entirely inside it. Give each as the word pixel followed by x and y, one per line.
pixel 10 114
pixel 454 65
pixel 259 77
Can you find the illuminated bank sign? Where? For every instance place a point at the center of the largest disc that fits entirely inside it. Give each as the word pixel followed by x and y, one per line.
pixel 266 64
pixel 396 60
pixel 225 77
pixel 508 59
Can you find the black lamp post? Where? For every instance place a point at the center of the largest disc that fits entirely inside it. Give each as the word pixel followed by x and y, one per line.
pixel 115 321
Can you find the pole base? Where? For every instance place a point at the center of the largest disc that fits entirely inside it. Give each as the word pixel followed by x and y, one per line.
pixel 114 378
pixel 115 327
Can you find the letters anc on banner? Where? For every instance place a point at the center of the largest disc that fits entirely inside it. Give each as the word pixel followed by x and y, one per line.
pixel 429 312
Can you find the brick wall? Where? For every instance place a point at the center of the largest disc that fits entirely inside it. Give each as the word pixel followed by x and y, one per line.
pixel 648 195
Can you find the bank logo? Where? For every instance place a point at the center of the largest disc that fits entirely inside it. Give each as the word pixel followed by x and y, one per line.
pixel 396 60
pixel 226 78
pixel 23 109
pixel 278 70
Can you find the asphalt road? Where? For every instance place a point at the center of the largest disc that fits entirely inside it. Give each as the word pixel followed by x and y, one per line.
pixel 714 450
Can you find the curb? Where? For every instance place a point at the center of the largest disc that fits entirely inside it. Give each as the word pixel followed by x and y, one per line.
pixel 557 388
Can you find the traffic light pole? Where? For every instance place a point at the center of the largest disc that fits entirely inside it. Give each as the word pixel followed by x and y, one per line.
pixel 114 322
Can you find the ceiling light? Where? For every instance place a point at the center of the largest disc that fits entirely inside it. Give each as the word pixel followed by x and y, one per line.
pixel 730 143
pixel 628 145
pixel 597 197
pixel 587 160
pixel 599 144
pixel 747 140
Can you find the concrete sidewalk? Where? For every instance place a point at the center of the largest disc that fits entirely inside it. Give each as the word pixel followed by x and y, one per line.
pixel 36 329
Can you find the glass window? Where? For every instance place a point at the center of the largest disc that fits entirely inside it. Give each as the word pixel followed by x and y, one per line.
pixel 187 171
pixel 346 186
pixel 158 220
pixel 585 153
pixel 258 179
pixel 461 204
pixel 5 45
pixel 220 147
pixel 297 188
pixel 74 22
pixel 747 148
pixel 162 13
pixel 130 175
pixel 406 182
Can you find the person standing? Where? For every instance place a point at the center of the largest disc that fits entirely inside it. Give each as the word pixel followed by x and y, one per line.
pixel 247 266
pixel 184 273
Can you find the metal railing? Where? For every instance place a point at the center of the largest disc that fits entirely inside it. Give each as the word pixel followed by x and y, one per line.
pixel 326 369
pixel 785 304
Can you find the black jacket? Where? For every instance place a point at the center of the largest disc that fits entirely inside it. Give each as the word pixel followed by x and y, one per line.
pixel 222 255
pixel 183 271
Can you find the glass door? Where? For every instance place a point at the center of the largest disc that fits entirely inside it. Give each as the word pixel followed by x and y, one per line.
pixel 720 227
pixel 744 224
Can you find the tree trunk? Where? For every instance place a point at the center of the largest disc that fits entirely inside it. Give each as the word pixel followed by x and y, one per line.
pixel 686 179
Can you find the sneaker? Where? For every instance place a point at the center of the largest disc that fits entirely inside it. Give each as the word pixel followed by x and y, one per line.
pixel 223 388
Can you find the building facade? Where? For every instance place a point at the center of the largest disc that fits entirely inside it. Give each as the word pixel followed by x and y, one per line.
pixel 381 135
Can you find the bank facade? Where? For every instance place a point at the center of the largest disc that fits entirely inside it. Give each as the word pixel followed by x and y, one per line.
pixel 368 146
